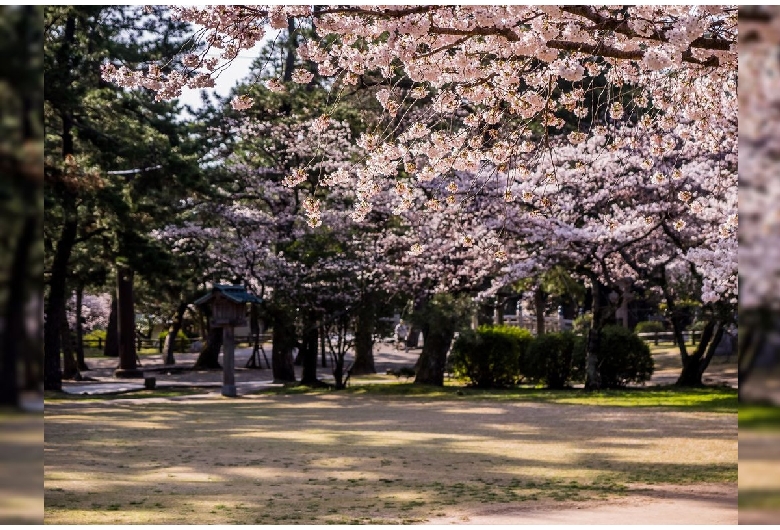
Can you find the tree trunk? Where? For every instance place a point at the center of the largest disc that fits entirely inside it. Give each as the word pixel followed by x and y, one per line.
pixel 364 342
pixel 173 332
pixel 111 347
pixel 128 367
pixel 695 365
pixel 498 312
pixel 283 343
pixel 52 374
pixel 292 46
pixel 15 331
pixel 209 355
pixel 539 308
pixel 413 339
pixel 70 369
pixel 33 362
pixel 433 359
pixel 323 353
pixel 308 351
pixel 52 334
pixel 751 342
pixel 592 374
pixel 82 365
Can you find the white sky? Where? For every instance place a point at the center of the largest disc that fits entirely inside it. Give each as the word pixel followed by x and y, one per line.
pixel 230 76
pixel 227 79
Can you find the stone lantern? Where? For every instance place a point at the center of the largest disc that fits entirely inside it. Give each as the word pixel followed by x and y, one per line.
pixel 228 310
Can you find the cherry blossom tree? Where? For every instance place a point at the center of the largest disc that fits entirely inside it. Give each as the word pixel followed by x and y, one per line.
pixel 640 211
pixel 480 107
pixel 759 238
pixel 486 66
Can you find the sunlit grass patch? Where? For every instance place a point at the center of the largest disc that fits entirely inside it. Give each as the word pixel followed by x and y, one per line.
pixel 709 399
pixel 759 499
pixel 764 417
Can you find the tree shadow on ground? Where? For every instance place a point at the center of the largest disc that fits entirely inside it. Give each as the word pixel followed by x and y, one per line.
pixel 343 458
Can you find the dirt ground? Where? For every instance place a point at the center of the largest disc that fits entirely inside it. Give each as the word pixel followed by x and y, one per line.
pixel 21 463
pixel 340 458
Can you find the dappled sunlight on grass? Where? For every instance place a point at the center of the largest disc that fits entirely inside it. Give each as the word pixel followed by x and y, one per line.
pixel 765 417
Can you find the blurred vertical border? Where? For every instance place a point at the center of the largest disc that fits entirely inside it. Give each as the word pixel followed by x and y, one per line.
pixel 21 264
pixel 759 264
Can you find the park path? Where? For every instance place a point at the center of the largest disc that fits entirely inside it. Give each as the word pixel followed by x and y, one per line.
pixel 101 380
pixel 661 505
pixel 387 357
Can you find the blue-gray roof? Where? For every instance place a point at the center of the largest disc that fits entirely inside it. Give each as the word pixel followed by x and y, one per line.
pixel 236 293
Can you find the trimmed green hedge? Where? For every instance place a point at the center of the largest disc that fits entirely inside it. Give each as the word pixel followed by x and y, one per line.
pixel 649 326
pixel 555 359
pixel 490 357
pixel 623 358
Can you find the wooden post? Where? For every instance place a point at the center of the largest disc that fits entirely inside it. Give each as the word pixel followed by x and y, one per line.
pixel 228 362
pixel 656 338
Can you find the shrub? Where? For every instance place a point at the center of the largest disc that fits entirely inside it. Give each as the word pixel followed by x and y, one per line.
pixel 582 323
pixel 94 337
pixel 623 358
pixel 182 342
pixel 489 357
pixel 698 325
pixel 649 326
pixel 553 359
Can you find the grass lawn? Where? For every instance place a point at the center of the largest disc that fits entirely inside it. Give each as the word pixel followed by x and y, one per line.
pixel 710 399
pixel 763 417
pixel 95 353
pixel 382 453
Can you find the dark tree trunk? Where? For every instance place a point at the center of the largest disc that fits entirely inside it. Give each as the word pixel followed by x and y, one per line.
pixel 323 353
pixel 695 365
pixel 283 344
pixel 364 342
pixel 15 332
pixel 498 312
pixel 70 369
pixel 309 349
pixel 338 353
pixel 592 374
pixel 111 347
pixel 173 332
pixel 52 334
pixel 209 355
pixel 752 330
pixel 52 374
pixel 539 308
pixel 433 359
pixel 292 45
pixel 82 365
pixel 128 366
pixel 413 339
pixel 33 363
